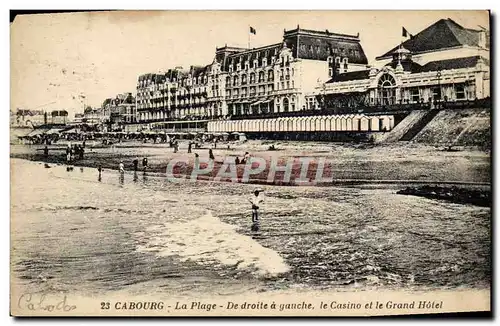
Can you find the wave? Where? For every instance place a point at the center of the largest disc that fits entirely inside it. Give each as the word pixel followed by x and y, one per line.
pixel 207 240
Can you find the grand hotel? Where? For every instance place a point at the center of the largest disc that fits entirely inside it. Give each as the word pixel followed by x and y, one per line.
pixel 318 81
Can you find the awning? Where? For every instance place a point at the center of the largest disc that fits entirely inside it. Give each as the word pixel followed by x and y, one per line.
pixel 36 132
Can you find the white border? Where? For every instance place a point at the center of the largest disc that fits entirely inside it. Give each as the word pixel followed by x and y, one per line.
pixel 187 4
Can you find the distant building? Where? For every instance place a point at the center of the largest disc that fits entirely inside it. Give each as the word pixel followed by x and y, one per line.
pixel 27 118
pixel 119 111
pixel 59 117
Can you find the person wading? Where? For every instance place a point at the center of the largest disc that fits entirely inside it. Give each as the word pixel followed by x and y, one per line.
pixel 256 200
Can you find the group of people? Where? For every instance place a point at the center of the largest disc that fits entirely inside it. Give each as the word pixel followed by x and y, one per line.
pixel 244 160
pixel 135 163
pixel 72 151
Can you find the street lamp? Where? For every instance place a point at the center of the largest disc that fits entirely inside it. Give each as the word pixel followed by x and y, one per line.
pixel 438 75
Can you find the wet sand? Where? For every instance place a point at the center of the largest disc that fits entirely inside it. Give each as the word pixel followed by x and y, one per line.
pixel 403 163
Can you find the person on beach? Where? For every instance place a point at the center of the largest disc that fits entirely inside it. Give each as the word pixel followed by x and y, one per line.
pixel 196 160
pixel 81 151
pixel 144 163
pixel 256 200
pixel 189 147
pixel 99 169
pixel 245 158
pixel 46 151
pixel 237 160
pixel 68 154
pixel 211 154
pixel 136 164
pixel 122 167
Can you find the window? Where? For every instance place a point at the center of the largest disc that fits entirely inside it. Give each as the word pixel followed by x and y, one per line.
pixel 270 75
pixel 460 92
pixel 261 77
pixel 243 79
pixel 330 72
pixel 252 78
pixel 386 89
pixel 235 81
pixel 436 94
pixel 415 94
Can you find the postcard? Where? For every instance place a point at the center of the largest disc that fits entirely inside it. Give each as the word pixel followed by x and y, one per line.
pixel 250 163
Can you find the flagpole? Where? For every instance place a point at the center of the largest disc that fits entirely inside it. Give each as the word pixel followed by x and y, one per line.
pixel 248 31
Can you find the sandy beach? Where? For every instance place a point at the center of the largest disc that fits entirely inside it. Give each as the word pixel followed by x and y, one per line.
pixel 345 163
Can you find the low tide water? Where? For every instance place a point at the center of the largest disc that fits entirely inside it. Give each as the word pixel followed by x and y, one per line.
pixel 73 232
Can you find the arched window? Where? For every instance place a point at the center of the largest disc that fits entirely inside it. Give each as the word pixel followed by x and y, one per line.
pixel 228 81
pixel 270 75
pixel 235 81
pixel 386 89
pixel 286 105
pixel 261 77
pixel 252 78
pixel 243 79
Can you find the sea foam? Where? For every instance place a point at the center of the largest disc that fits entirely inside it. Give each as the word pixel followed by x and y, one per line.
pixel 208 240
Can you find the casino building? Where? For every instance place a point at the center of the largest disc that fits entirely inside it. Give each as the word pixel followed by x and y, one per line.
pixel 443 63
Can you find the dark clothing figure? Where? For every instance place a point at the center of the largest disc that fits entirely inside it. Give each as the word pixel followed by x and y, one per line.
pixel 189 147
pixel 46 151
pixel 81 150
pixel 99 169
pixel 136 164
pixel 237 160
pixel 211 154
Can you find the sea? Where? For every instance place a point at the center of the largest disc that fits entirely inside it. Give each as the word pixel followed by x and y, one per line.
pixel 76 232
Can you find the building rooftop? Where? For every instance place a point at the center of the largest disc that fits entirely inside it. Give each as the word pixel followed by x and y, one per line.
pixel 445 33
pixel 347 76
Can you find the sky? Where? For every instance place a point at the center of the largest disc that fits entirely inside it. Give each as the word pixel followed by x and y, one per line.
pixel 71 60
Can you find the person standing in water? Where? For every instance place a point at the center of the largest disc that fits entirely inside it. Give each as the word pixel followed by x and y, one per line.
pixel 256 200
pixel 99 168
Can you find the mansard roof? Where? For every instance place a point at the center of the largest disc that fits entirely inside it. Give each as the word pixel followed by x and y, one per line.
pixel 319 47
pixel 457 63
pixel 252 54
pixel 352 75
pixel 444 33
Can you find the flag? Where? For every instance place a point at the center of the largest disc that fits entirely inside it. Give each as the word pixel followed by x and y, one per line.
pixel 252 30
pixel 406 33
